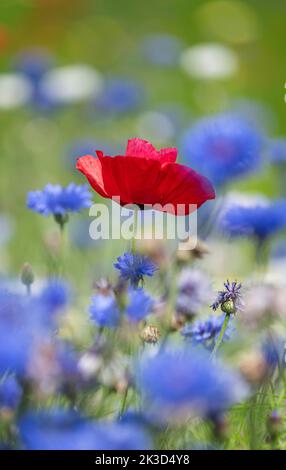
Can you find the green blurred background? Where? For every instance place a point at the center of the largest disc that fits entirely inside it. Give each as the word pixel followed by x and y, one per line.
pixel 107 35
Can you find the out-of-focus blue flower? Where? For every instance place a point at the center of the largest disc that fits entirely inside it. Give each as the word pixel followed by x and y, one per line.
pixel 272 350
pixel 276 149
pixel 104 311
pixel 54 297
pixel 59 429
pixel 122 436
pixel 194 291
pixel 133 267
pixel 21 324
pixel 222 147
pixel 140 305
pixel 177 381
pixel 56 429
pixel 119 96
pixel 206 332
pixel 232 291
pixel 162 49
pixel 56 200
pixel 10 392
pixel 259 221
pixel 34 64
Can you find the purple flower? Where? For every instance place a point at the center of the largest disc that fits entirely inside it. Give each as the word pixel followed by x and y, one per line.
pixel 133 267
pixel 232 292
pixel 58 201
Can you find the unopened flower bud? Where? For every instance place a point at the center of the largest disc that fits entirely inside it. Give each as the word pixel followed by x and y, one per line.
pixel 27 275
pixel 61 219
pixel 228 307
pixel 150 334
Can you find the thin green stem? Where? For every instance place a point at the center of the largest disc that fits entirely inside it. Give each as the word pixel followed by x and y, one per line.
pixel 124 402
pixel 133 240
pixel 221 335
pixel 62 250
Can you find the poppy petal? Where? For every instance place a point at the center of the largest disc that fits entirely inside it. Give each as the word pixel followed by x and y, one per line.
pixel 143 148
pixel 182 185
pixel 137 179
pixel 91 167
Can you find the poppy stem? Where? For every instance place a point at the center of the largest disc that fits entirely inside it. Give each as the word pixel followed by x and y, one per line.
pixel 133 241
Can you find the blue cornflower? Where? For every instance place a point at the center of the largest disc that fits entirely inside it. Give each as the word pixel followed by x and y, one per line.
pixel 58 201
pixel 176 381
pixel 56 429
pixel 276 149
pixel 206 332
pixel 21 324
pixel 122 436
pixel 133 267
pixel 55 296
pixel 162 49
pixel 104 311
pixel 231 292
pixel 119 96
pixel 10 393
pixel 63 429
pixel 34 64
pixel 140 305
pixel 222 147
pixel 258 220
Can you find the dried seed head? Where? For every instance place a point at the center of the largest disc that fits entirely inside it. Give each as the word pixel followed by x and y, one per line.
pixel 150 334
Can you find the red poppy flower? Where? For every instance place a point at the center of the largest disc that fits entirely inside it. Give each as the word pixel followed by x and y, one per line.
pixel 146 176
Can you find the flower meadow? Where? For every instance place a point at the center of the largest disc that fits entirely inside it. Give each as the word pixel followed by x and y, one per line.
pixel 141 344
